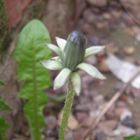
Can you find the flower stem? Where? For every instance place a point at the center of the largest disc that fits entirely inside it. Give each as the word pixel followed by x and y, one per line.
pixel 66 110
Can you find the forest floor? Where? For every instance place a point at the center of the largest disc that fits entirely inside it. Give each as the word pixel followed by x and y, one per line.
pixel 120 60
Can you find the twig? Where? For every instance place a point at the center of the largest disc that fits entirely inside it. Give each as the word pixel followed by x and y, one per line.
pixel 110 103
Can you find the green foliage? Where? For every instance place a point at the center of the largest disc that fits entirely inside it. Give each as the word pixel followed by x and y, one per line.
pixel 134 137
pixel 31 49
pixel 3 127
pixel 1 83
pixel 3 123
pixel 3 105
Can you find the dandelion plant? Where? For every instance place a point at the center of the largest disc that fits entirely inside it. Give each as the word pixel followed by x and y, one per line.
pixel 30 51
pixel 71 55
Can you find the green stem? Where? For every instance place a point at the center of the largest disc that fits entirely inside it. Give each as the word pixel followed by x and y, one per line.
pixel 66 110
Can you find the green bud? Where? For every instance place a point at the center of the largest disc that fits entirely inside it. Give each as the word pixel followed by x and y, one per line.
pixel 74 51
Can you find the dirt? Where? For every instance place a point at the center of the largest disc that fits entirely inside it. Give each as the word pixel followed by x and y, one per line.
pixel 122 39
pixel 102 26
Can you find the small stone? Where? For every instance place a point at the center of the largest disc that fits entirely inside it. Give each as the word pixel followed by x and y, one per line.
pixel 121 104
pixel 51 122
pixel 100 136
pixel 99 100
pixel 129 20
pixel 81 116
pixel 116 14
pixel 78 134
pixel 72 122
pixel 89 16
pixel 118 112
pixel 88 121
pixel 129 50
pixel 129 122
pixel 110 125
pixel 124 131
pixel 99 3
pixel 106 16
pixel 102 25
pixel 118 86
pixel 96 10
pixel 136 29
pixel 50 132
pixel 86 28
pixel 138 37
pixel 123 97
pixel 130 101
pixel 103 67
pixel 125 113
pixel 69 136
pixel 135 92
pixel 130 31
pixel 95 113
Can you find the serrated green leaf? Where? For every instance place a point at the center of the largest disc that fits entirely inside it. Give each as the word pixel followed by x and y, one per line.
pixel 36 120
pixel 30 51
pixel 3 105
pixel 134 137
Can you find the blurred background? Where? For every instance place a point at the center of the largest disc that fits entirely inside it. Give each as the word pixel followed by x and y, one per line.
pixel 113 23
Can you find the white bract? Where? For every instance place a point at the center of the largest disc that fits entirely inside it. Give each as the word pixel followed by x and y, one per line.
pixel 57 63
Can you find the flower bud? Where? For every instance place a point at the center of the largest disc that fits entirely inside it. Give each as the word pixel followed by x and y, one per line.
pixel 74 51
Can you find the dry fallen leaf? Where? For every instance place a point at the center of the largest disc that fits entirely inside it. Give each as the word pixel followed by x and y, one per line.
pixel 123 70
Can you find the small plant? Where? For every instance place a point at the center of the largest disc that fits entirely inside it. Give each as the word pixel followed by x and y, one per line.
pixel 71 54
pixel 134 137
pixel 3 124
pixel 30 50
pixel 1 83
